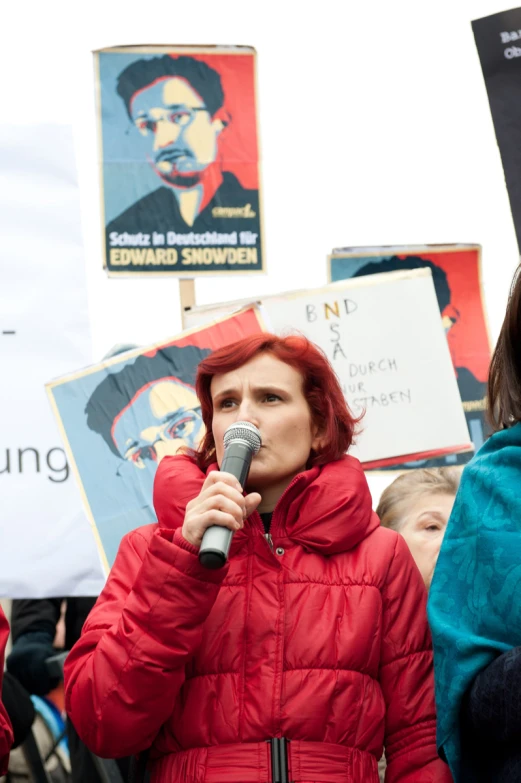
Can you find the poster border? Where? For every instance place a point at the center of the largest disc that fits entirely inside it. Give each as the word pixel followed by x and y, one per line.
pixel 175 49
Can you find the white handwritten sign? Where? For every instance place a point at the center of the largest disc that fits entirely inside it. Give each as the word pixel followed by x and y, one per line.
pixel 384 338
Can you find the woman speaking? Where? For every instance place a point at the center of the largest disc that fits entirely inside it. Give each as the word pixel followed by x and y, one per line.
pixel 309 651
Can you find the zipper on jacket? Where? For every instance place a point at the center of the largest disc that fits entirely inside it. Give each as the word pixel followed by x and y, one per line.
pixel 276 512
pixel 269 539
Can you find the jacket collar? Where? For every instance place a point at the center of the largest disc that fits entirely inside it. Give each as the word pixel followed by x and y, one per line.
pixel 326 509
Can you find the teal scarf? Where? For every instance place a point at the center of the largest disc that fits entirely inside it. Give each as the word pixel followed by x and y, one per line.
pixel 474 604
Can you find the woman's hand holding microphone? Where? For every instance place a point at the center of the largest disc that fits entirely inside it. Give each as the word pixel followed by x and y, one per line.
pixel 220 502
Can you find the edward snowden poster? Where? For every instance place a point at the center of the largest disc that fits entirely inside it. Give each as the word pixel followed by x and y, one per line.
pixel 179 160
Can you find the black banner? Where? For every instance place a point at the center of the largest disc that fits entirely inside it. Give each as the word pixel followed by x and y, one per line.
pixel 498 40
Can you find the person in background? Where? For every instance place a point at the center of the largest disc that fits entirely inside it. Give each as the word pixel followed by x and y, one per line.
pixel 33 627
pixel 314 632
pixel 418 505
pixel 475 599
pixel 6 731
pixel 20 709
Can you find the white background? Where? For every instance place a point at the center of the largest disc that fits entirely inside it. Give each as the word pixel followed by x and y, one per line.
pixel 374 122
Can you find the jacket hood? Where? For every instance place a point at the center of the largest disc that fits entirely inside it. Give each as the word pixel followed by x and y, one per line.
pixel 326 509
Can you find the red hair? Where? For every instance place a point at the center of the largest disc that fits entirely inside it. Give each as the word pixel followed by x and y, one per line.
pixel 320 386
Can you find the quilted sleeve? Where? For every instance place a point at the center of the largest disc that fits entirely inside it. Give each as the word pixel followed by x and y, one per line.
pixel 406 677
pixel 123 675
pixel 6 732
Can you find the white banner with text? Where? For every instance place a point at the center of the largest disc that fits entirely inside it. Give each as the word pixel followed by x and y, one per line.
pixel 47 546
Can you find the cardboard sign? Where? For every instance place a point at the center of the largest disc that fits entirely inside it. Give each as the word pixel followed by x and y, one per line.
pixel 384 338
pixel 456 273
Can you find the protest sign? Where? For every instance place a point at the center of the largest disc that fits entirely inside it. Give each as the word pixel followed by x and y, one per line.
pixel 385 340
pixel 47 545
pixel 456 273
pixel 498 41
pixel 179 160
pixel 120 417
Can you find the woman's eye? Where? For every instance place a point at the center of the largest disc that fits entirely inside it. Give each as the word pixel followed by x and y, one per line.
pixel 432 528
pixel 227 403
pixel 272 397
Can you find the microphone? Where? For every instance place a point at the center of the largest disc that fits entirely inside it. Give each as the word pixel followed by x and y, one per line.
pixel 242 441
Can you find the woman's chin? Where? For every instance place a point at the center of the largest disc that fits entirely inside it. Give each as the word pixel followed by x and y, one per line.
pixel 259 477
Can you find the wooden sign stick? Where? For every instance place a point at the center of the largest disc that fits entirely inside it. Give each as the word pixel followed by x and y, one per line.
pixel 186 296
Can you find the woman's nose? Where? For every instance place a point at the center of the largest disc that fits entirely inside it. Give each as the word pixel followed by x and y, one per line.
pixel 247 412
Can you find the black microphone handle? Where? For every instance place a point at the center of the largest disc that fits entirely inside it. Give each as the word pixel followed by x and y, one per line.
pixel 217 539
pixel 237 460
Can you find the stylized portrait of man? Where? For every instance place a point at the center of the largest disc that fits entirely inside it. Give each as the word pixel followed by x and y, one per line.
pixel 472 390
pixel 122 416
pixel 178 105
pixel 149 408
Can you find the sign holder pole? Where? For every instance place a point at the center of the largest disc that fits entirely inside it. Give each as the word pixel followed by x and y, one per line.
pixel 186 296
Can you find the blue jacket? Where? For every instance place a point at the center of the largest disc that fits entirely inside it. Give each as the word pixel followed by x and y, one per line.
pixel 474 604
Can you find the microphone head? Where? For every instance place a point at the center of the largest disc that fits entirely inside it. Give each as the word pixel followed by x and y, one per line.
pixel 243 430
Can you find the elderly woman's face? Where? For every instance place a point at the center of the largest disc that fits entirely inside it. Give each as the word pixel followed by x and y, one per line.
pixel 267 393
pixel 424 528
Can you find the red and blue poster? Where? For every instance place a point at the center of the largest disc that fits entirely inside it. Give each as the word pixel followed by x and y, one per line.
pixel 180 163
pixel 119 418
pixel 456 273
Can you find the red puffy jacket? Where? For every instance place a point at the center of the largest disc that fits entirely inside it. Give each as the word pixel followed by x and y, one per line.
pixel 6 732
pixel 322 640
